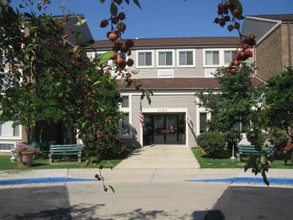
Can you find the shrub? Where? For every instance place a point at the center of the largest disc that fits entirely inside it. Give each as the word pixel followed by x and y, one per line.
pixel 212 142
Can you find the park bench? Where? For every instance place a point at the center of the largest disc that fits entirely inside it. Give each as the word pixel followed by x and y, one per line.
pixel 250 150
pixel 64 150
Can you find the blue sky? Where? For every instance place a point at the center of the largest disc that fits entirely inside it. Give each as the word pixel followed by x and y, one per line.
pixel 167 18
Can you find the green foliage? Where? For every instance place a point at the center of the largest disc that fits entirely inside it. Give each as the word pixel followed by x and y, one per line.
pixel 279 101
pixel 256 138
pixel 278 137
pixel 45 79
pixel 224 161
pixel 212 142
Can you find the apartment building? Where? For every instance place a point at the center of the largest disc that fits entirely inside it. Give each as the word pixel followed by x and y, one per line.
pixel 175 69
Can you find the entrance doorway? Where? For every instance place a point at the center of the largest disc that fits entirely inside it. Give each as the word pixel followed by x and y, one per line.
pixel 164 129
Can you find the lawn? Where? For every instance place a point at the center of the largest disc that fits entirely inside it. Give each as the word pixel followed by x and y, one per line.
pixel 224 161
pixel 42 162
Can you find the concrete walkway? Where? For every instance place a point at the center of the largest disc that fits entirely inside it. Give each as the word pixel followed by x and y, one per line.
pixel 161 156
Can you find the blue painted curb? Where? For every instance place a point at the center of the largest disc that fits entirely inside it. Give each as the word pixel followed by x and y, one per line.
pixel 43 180
pixel 277 181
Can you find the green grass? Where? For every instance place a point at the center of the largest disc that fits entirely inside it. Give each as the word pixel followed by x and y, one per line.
pixel 42 162
pixel 224 161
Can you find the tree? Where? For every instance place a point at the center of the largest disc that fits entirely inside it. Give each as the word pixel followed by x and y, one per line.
pixel 279 102
pixel 43 78
pixel 233 104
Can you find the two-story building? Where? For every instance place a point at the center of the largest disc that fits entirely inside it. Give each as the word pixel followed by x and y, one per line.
pixel 174 69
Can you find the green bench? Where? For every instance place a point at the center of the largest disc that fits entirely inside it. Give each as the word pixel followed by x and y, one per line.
pixel 250 150
pixel 64 150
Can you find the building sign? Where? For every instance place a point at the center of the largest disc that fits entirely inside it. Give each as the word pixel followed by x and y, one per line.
pixel 162 110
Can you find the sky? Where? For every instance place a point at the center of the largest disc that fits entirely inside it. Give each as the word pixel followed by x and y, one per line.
pixel 165 18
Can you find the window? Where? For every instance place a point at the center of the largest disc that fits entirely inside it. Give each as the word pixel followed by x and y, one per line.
pixel 125 102
pixel 202 122
pixel 165 58
pixel 228 56
pixel 124 125
pixel 6 146
pixel 186 58
pixel 212 58
pixel 7 130
pixel 145 59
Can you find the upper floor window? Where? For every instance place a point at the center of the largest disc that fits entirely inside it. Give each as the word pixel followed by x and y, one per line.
pixel 212 57
pixel 228 56
pixel 145 59
pixel 165 58
pixel 186 58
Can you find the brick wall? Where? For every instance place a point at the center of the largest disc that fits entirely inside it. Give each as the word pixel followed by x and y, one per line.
pixel 287 52
pixel 269 55
pixel 273 53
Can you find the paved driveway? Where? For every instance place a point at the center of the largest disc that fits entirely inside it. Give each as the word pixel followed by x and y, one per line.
pixel 150 184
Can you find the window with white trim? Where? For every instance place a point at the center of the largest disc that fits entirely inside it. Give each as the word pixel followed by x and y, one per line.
pixel 203 118
pixel 145 59
pixel 125 101
pixel 186 58
pixel 212 57
pixel 218 57
pixel 165 58
pixel 228 56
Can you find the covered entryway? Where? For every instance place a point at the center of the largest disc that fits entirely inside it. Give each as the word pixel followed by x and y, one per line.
pixel 164 129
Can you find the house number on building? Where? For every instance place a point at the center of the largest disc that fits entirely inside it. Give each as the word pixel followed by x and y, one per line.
pixel 162 110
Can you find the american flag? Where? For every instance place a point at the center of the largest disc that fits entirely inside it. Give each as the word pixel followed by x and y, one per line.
pixel 141 116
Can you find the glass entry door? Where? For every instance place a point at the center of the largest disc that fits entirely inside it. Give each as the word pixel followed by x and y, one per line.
pixel 164 129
